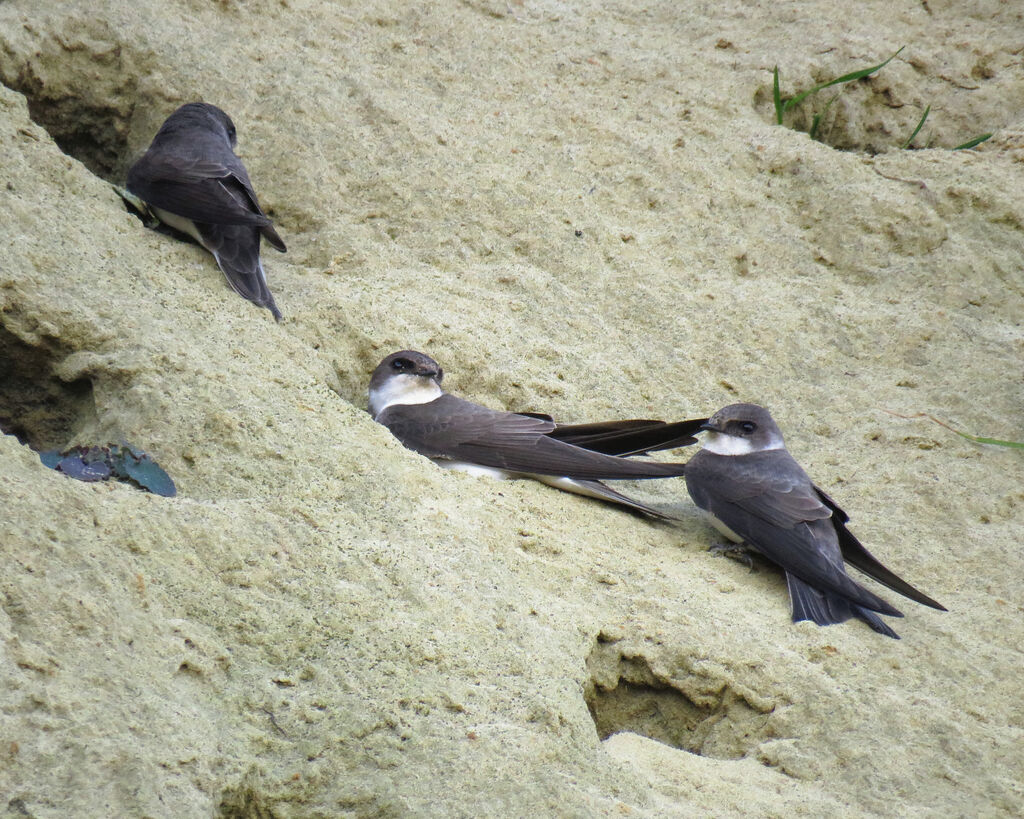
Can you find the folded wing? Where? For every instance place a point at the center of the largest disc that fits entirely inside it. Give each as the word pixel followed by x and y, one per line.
pixel 455 429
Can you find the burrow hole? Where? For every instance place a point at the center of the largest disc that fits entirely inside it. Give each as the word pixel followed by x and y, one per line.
pixel 624 694
pixel 36 406
pixel 82 88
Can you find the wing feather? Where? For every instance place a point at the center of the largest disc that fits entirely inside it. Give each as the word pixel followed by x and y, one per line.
pixel 201 180
pixel 825 609
pixel 632 437
pixel 855 553
pixel 237 251
pixel 452 428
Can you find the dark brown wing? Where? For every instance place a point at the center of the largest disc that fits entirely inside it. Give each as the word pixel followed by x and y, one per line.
pixel 200 189
pixel 632 437
pixel 776 511
pixel 195 174
pixel 857 555
pixel 770 486
pixel 459 430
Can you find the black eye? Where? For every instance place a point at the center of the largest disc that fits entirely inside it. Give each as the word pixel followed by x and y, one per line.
pixel 748 427
pixel 401 364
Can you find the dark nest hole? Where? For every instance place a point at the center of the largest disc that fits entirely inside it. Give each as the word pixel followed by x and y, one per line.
pixel 37 407
pixel 96 137
pixel 83 93
pixel 625 694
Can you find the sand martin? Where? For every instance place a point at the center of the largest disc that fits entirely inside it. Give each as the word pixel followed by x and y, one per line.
pixel 192 180
pixel 406 397
pixel 757 494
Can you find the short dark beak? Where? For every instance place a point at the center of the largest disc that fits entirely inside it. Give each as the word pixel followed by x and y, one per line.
pixel 707 426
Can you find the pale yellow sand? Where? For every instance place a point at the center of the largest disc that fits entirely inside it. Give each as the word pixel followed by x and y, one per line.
pixel 585 211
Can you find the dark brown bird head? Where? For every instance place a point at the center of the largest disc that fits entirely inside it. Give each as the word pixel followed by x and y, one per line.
pixel 740 429
pixel 405 377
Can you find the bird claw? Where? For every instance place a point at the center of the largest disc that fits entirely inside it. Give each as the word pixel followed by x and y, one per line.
pixel 739 552
pixel 138 207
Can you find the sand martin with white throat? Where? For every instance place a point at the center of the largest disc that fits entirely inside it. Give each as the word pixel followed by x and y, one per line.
pixel 758 495
pixel 193 182
pixel 406 397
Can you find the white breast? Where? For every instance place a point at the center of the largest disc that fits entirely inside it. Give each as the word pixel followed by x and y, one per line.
pixel 563 483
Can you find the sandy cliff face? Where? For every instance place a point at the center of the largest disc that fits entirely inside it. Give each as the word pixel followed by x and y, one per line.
pixel 587 212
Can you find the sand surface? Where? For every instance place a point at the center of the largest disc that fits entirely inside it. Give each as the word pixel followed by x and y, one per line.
pixel 582 210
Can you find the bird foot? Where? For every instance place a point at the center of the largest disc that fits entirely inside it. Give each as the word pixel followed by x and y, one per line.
pixel 138 207
pixel 739 552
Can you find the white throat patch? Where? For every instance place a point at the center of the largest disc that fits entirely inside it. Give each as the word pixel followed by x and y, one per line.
pixel 403 389
pixel 721 444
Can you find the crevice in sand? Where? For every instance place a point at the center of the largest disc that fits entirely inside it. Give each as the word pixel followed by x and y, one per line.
pixel 81 90
pixel 36 406
pixel 626 694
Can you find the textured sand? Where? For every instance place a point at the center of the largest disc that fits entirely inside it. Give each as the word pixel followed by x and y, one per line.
pixel 587 212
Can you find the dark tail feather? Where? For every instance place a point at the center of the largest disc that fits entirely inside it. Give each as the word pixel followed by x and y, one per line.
pixel 874 621
pixel 237 251
pixel 827 608
pixel 271 236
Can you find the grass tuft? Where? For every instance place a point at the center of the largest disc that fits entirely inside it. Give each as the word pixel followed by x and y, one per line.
pixel 784 104
pixel 781 106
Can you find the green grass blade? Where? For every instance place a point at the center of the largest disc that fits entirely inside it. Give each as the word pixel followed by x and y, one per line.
pixel 978 439
pixel 777 97
pixel 920 125
pixel 857 75
pixel 851 77
pixel 816 121
pixel 812 132
pixel 973 142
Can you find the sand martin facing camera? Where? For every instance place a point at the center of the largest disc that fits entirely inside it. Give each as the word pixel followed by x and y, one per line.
pixel 406 397
pixel 757 494
pixel 193 182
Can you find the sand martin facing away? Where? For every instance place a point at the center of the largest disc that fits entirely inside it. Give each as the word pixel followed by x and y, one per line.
pixel 406 397
pixel 757 494
pixel 192 180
